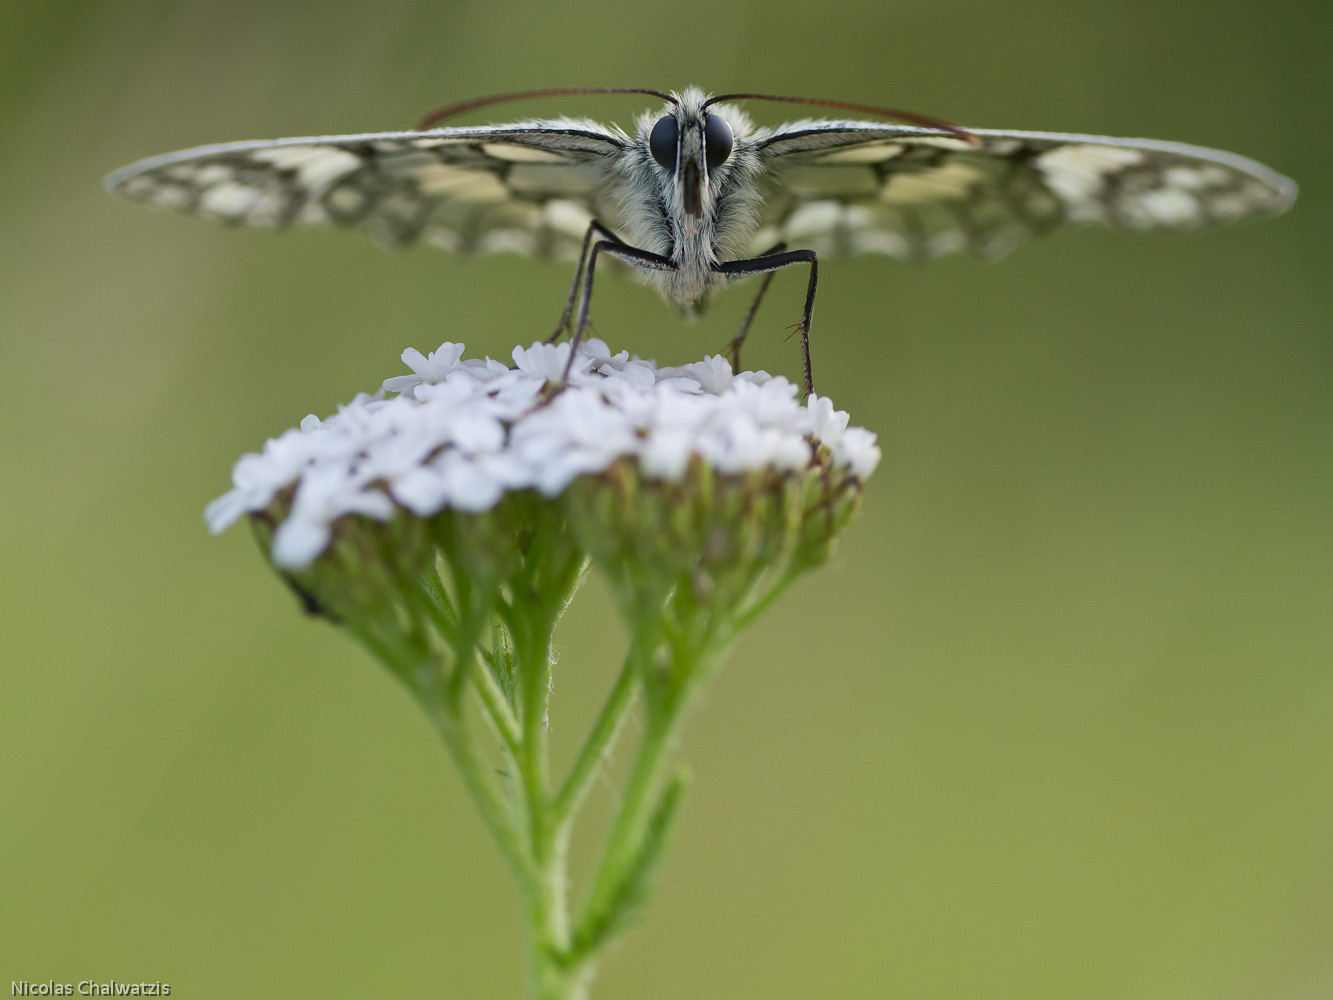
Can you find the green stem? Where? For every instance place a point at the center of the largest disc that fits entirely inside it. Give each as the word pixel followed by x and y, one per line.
pixel 478 779
pixel 552 979
pixel 597 747
pixel 639 801
pixel 546 899
pixel 498 711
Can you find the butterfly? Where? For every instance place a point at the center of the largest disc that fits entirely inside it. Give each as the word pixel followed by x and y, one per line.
pixel 697 195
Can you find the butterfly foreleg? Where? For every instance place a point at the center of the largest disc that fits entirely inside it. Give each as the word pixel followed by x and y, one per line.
pixel 642 259
pixel 733 349
pixel 767 263
pixel 594 226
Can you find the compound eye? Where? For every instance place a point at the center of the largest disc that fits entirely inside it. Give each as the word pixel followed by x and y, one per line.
pixel 662 141
pixel 717 141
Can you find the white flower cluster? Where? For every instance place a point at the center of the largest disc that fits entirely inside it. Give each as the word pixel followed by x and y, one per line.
pixel 460 434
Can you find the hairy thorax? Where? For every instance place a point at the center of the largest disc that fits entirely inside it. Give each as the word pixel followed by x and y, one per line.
pixel 655 218
pixel 694 254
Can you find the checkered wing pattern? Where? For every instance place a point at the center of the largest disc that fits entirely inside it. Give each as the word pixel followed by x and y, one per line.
pixel 530 187
pixel 846 188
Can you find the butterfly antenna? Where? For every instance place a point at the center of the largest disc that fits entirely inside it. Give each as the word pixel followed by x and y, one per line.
pixel 450 110
pixel 863 109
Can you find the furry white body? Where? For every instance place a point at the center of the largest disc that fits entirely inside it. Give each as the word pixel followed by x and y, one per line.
pixel 653 210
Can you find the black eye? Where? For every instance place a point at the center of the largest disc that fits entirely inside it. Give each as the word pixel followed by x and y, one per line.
pixel 717 141
pixel 662 141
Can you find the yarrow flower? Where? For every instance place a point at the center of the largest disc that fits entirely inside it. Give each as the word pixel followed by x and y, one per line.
pixel 461 434
pixel 447 520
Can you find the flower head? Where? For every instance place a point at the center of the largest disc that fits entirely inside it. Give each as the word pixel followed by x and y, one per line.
pixel 460 435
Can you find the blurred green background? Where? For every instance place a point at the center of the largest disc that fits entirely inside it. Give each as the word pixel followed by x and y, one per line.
pixel 1059 721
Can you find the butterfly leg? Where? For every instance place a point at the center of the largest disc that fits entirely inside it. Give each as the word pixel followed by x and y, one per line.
pixel 594 226
pixel 733 349
pixel 773 262
pixel 633 256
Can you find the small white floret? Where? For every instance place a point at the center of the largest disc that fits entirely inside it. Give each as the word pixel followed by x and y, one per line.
pixel 827 423
pixel 857 451
pixel 544 361
pixel 434 367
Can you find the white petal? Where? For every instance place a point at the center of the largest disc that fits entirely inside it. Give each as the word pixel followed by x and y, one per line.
pixel 423 491
pixel 223 512
pixel 298 541
pixel 667 453
pixel 468 485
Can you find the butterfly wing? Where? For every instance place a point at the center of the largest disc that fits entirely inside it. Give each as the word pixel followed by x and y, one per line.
pixel 845 188
pixel 530 187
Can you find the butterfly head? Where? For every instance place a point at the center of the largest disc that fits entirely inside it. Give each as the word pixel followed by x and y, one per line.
pixel 691 144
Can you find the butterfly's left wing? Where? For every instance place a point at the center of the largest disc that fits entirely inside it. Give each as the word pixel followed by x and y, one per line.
pixel 843 188
pixel 529 187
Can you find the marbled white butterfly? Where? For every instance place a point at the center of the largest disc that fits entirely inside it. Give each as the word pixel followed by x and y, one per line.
pixel 697 195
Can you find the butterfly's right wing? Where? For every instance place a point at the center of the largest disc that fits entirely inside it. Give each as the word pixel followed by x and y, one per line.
pixel 530 187
pixel 844 188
